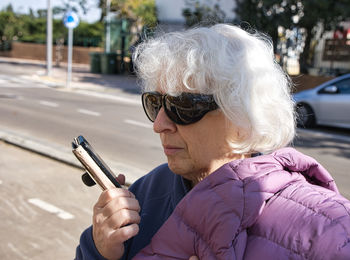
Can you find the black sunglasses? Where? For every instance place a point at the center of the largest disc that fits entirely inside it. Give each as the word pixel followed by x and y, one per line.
pixel 185 109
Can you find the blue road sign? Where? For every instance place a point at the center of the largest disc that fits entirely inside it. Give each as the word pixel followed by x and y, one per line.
pixel 71 19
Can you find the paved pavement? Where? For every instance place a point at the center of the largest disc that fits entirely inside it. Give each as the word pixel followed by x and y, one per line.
pixel 44 206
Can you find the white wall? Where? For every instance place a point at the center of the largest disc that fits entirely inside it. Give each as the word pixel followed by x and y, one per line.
pixel 171 10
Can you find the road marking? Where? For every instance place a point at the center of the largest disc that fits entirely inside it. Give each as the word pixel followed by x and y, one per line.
pixel 51 208
pixel 132 122
pixel 41 72
pixel 16 251
pixel 20 81
pixel 48 103
pixel 120 99
pixel 89 112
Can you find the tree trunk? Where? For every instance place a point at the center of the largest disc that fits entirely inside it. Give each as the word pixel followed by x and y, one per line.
pixel 304 57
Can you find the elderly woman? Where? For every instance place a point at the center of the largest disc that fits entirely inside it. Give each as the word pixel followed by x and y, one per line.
pixel 230 190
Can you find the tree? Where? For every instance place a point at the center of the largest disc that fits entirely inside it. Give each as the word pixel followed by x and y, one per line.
pixel 311 15
pixel 73 5
pixel 196 13
pixel 32 28
pixel 10 26
pixel 142 12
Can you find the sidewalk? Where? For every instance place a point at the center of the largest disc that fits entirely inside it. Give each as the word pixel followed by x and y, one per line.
pixel 82 78
pixel 33 232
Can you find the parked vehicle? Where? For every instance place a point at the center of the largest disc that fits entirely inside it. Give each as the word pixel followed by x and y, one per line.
pixel 326 104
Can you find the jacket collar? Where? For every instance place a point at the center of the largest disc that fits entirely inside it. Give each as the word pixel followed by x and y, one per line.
pixel 261 177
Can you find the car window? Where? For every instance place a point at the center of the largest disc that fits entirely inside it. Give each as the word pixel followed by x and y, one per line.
pixel 343 86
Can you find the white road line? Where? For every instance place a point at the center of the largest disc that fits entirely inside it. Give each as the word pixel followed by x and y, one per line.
pixel 16 80
pixel 132 122
pixel 51 208
pixel 48 103
pixel 120 99
pixel 88 112
pixel 41 72
pixel 16 251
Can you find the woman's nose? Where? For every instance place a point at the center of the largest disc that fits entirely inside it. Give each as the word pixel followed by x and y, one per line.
pixel 162 123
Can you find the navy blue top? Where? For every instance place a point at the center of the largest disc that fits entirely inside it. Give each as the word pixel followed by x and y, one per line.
pixel 158 194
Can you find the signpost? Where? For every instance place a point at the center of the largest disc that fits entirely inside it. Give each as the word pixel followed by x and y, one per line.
pixel 49 39
pixel 70 20
pixel 108 31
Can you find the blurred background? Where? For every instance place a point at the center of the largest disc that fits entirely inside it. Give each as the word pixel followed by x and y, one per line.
pixel 55 86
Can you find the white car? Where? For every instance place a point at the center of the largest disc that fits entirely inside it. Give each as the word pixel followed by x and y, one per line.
pixel 326 104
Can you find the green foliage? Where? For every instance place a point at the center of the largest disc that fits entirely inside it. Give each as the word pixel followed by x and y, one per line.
pixel 9 26
pixel 89 34
pixel 32 28
pixel 143 12
pixel 146 10
pixel 196 13
pixel 311 15
pixel 72 5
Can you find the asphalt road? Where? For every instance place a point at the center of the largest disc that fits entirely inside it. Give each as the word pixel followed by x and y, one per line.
pixel 332 150
pixel 117 128
pixel 114 123
pixel 44 206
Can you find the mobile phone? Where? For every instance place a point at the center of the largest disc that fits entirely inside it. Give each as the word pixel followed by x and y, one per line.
pixel 96 168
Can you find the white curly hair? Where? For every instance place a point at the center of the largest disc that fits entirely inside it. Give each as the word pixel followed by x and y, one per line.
pixel 235 66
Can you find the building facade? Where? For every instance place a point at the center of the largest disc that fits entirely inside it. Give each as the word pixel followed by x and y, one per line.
pixel 170 12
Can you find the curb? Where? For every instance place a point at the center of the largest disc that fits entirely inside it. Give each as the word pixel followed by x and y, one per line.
pixel 61 153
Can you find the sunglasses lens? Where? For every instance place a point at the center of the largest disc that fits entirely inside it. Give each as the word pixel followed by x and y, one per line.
pixel 187 108
pixel 152 102
pixel 184 109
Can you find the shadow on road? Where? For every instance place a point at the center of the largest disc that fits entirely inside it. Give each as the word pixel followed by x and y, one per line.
pixel 327 140
pixel 126 83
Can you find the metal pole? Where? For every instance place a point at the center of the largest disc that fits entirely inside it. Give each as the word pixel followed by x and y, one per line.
pixel 108 29
pixel 49 39
pixel 70 55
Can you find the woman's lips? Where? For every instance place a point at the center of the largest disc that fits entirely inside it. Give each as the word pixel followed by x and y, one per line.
pixel 171 150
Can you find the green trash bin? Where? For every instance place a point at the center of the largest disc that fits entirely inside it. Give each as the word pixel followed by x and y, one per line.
pixel 109 63
pixel 95 62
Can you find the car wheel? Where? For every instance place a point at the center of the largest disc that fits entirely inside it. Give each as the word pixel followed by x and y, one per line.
pixel 305 116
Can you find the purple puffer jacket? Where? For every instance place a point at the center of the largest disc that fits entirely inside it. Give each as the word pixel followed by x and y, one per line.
pixel 279 206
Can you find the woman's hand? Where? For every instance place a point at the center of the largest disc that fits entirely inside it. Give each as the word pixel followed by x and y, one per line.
pixel 115 220
pixel 193 258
